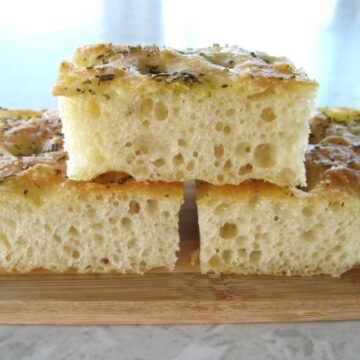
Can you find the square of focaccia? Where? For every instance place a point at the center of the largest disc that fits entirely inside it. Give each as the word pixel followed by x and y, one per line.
pixel 219 114
pixel 50 222
pixel 261 228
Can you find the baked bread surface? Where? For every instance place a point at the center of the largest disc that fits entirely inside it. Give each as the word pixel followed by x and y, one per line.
pixel 51 222
pixel 261 228
pixel 218 114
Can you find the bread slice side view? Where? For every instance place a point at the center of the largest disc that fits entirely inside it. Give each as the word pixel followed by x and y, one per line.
pixel 50 222
pixel 220 114
pixel 261 228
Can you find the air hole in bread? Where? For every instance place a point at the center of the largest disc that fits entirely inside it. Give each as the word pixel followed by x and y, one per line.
pixel 146 106
pixel 215 262
pixel 131 243
pixel 178 159
pixel 241 240
pixel 75 254
pixel 227 130
pixel 255 256
pixel 307 211
pixel 219 126
pixel 268 115
pixel 99 239
pixel 73 231
pixel 230 112
pixel 265 155
pixel 126 223
pixel 218 150
pixel 134 207
pixel 308 236
pixel 220 178
pixel 242 253
pixel 151 206
pixel 195 154
pixel 245 169
pixel 190 166
pixel 112 221
pixel 227 256
pixel 161 111
pixel 220 209
pixel 128 144
pixel 159 162
pixel 228 230
pixel 227 166
pixel 181 142
pixel 243 149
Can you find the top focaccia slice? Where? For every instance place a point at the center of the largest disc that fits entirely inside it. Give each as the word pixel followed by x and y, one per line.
pixel 219 114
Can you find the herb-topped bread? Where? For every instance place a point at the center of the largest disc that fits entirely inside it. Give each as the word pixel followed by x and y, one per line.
pixel 219 114
pixel 50 222
pixel 260 228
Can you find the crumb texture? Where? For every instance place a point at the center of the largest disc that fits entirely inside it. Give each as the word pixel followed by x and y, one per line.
pixel 88 232
pixel 223 121
pixel 259 228
pixel 50 222
pixel 291 236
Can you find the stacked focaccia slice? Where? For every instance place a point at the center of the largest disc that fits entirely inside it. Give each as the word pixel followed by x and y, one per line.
pixel 261 228
pixel 222 115
pixel 51 222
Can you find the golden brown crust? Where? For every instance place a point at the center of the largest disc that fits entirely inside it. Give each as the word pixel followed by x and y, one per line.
pixel 32 160
pixel 96 66
pixel 332 162
pixel 29 139
pixel 333 157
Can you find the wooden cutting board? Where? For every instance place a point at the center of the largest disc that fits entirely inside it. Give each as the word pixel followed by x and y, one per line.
pixel 183 296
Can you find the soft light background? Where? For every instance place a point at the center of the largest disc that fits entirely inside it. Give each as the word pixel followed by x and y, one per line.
pixel 323 36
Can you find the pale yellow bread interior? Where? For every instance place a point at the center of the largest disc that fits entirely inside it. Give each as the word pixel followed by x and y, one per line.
pixel 52 223
pixel 260 228
pixel 219 114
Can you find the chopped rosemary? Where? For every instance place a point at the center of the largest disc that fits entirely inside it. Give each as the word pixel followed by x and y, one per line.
pixel 105 77
pixel 54 147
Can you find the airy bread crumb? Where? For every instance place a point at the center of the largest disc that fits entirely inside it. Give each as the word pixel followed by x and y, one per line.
pixel 261 228
pixel 219 114
pixel 52 223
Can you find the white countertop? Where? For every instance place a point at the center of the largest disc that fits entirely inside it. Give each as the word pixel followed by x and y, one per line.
pixel 297 341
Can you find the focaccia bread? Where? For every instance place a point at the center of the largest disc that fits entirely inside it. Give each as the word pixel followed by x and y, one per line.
pixel 50 222
pixel 261 228
pixel 219 114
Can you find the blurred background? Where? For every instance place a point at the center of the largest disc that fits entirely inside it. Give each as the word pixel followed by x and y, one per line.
pixel 322 36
